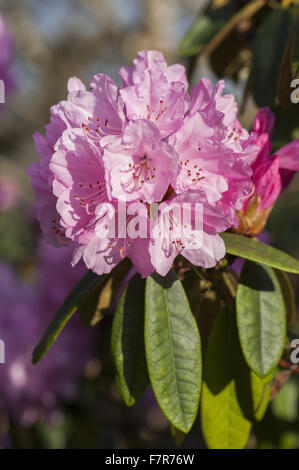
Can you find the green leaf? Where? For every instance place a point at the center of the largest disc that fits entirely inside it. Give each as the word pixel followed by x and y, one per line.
pixel 268 50
pixel 100 299
pixel 93 308
pixel 177 436
pixel 127 342
pixel 295 52
pixel 261 317
pixel 259 252
pixel 285 77
pixel 203 29
pixel 288 295
pixel 65 312
pixel 173 350
pixel 231 282
pixel 226 403
pixel 244 14
pixel 261 389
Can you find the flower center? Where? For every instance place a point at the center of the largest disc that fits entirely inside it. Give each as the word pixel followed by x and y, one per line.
pixel 91 195
pixel 191 171
pixel 233 136
pixel 153 115
pixel 97 127
pixel 140 173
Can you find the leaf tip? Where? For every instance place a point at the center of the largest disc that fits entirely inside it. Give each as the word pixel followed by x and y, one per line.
pixel 37 355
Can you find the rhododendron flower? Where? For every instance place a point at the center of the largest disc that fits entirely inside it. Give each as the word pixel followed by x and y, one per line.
pixel 201 245
pixel 145 143
pixel 102 254
pixel 78 184
pixel 85 211
pixel 139 165
pixel 152 60
pixel 156 99
pixel 155 92
pixel 214 156
pixel 271 174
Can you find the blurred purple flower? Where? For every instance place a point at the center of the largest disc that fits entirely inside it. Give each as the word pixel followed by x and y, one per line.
pixel 29 392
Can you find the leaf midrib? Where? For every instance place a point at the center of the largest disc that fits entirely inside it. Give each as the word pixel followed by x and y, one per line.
pixel 172 355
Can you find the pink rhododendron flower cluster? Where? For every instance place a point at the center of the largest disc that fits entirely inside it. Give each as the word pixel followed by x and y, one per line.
pixel 29 392
pixel 146 142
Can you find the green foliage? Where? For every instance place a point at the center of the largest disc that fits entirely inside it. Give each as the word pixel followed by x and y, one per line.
pixel 286 127
pixel 155 337
pixel 285 76
pixel 226 403
pixel 260 389
pixel 261 317
pixel 288 295
pixel 254 250
pixel 280 425
pixel 173 351
pixel 295 51
pixel 268 51
pixel 203 30
pixel 177 435
pixel 127 342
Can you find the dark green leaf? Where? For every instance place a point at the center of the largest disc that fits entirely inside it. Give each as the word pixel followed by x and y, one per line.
pixel 204 304
pixel 65 312
pixel 261 317
pixel 127 342
pixel 285 77
pixel 295 52
pixel 286 129
pixel 254 250
pixel 177 435
pixel 226 403
pixel 231 282
pixel 173 350
pixel 244 14
pixel 260 389
pixel 202 30
pixel 288 295
pixel 268 50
